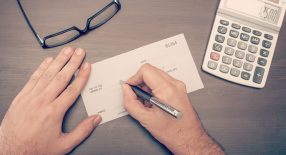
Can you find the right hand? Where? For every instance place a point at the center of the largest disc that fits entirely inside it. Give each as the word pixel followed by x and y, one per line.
pixel 183 136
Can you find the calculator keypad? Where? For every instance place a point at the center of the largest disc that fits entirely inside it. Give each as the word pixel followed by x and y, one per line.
pixel 240 53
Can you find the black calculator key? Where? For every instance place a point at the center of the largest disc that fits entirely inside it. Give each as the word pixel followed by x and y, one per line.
pixel 244 37
pixel 245 75
pixel 217 47
pixel 234 33
pixel 235 26
pixel 258 75
pixel 264 53
pixel 222 30
pixel 266 44
pixel 268 36
pixel 257 33
pixel 262 61
pixel 246 29
pixel 224 22
pixel 255 40
pixel 219 38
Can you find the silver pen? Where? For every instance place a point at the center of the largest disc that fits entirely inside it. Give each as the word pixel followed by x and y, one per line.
pixel 155 101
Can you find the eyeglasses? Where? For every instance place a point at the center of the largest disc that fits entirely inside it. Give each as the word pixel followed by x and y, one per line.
pixel 72 33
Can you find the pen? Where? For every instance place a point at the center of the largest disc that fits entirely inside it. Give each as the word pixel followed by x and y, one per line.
pixel 155 101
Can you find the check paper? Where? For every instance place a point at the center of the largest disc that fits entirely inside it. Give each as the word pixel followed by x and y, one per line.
pixel 102 93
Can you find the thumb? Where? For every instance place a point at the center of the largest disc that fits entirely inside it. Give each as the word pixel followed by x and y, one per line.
pixel 133 106
pixel 80 133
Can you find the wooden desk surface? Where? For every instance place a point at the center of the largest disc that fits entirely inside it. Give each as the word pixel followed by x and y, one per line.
pixel 243 120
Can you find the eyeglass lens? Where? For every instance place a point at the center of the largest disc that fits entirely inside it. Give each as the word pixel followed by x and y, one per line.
pixel 62 38
pixel 103 16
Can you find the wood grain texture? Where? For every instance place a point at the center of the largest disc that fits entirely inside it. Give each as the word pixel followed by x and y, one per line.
pixel 243 120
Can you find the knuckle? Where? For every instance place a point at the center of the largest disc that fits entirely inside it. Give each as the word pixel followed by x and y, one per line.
pixel 145 67
pixel 85 129
pixel 63 78
pixel 72 89
pixel 47 76
pixel 181 85
pixel 60 60
pixel 34 77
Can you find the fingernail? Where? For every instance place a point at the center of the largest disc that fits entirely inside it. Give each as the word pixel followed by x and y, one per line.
pixel 49 60
pixel 78 51
pixel 97 120
pixel 85 66
pixel 67 50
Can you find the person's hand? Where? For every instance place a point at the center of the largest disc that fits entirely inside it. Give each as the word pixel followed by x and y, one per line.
pixel 183 136
pixel 33 123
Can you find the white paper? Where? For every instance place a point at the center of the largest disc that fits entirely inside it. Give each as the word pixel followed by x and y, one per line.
pixel 103 95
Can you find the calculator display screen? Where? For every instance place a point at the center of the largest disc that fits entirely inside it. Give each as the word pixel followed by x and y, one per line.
pixel 259 9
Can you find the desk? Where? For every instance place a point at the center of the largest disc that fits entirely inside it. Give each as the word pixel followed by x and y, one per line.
pixel 243 120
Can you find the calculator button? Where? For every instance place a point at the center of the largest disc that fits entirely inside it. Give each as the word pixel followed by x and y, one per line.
pixel 252 49
pixel 224 22
pixel 234 33
pixel 226 60
pixel 247 66
pixel 231 42
pixel 235 26
pixel 262 61
pixel 255 40
pixel 266 44
pixel 229 51
pixel 242 45
pixel 268 36
pixel 246 29
pixel 239 54
pixel 264 53
pixel 257 33
pixel 217 47
pixel 258 75
pixel 237 63
pixel 234 72
pixel 244 37
pixel 212 65
pixel 250 57
pixel 224 69
pixel 245 75
pixel 219 38
pixel 222 30
pixel 215 56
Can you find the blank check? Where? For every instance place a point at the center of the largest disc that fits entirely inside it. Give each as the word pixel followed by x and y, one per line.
pixel 102 93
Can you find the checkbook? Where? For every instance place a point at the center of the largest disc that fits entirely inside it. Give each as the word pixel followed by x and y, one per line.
pixel 103 95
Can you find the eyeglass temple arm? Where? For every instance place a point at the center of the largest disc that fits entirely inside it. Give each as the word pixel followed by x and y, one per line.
pixel 40 40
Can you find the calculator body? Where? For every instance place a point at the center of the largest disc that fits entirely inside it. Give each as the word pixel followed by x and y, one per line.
pixel 243 41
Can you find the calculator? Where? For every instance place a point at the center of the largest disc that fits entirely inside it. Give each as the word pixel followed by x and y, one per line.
pixel 243 41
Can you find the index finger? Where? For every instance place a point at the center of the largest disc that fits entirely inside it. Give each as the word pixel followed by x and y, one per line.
pixel 151 76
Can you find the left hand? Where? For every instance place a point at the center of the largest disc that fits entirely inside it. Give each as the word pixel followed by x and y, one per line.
pixel 33 123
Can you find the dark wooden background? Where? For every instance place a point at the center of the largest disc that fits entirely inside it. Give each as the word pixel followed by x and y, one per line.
pixel 243 120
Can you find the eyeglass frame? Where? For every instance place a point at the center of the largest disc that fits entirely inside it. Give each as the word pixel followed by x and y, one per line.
pixel 87 28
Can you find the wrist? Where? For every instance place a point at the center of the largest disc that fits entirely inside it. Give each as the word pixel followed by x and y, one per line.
pixel 203 144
